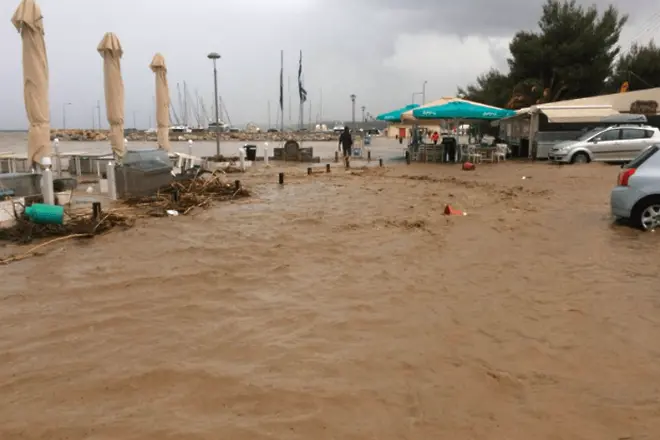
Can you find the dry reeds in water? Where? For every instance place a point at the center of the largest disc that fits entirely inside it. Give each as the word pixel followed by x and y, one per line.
pixel 24 231
pixel 75 226
pixel 189 193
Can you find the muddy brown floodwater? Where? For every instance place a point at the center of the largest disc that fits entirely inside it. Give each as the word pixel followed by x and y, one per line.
pixel 346 306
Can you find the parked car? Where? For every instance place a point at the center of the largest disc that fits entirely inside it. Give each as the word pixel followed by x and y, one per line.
pixel 636 197
pixel 617 143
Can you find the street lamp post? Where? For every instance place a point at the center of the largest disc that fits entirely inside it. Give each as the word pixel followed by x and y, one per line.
pixel 215 57
pixel 64 115
pixel 363 115
pixel 424 93
pixel 353 109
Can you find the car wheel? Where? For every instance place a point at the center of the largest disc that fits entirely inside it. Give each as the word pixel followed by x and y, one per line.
pixel 580 158
pixel 646 215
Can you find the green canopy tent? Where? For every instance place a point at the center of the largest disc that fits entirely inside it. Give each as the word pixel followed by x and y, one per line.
pixel 462 111
pixel 395 115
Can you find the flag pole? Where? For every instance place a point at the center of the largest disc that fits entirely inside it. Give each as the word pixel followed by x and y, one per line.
pixel 302 117
pixel 282 93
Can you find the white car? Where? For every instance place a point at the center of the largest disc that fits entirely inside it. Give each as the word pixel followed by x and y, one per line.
pixel 617 143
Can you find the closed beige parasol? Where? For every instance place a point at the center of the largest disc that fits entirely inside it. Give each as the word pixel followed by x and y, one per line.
pixel 29 22
pixel 162 101
pixel 111 51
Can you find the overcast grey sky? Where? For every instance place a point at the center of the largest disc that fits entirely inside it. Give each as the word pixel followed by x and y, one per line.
pixel 380 50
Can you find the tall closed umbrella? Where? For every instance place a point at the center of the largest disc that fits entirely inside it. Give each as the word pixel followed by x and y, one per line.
pixel 111 51
pixel 29 22
pixel 162 101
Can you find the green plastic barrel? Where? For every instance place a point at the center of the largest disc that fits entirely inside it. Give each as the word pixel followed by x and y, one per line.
pixel 45 214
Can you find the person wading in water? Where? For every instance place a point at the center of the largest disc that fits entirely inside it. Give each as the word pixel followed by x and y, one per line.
pixel 346 142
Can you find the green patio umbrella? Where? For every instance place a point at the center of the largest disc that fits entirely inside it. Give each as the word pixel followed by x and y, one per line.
pixel 463 110
pixel 395 115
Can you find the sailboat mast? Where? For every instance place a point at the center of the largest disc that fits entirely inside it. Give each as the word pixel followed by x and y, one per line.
pixel 186 122
pixel 198 111
pixel 223 107
pixel 183 116
pixel 281 92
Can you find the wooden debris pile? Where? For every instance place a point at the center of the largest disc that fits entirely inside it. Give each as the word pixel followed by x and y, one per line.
pixel 184 195
pixel 24 231
pixel 78 226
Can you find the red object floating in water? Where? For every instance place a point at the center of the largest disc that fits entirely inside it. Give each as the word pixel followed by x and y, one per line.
pixel 451 211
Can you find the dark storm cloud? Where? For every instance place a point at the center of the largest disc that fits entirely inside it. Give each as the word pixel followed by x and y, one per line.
pixel 381 50
pixel 493 18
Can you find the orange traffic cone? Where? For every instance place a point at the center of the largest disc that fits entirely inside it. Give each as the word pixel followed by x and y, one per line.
pixel 451 211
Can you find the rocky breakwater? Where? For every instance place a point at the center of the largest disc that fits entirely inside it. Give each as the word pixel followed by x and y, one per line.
pixel 79 135
pixel 102 135
pixel 241 136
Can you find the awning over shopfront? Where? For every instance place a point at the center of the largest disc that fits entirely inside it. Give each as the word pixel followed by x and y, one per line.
pixel 563 114
pixel 572 115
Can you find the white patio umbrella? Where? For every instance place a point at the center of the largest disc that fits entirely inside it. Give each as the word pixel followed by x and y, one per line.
pixel 29 22
pixel 162 101
pixel 111 51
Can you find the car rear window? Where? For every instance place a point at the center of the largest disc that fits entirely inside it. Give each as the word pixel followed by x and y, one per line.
pixel 649 133
pixel 643 157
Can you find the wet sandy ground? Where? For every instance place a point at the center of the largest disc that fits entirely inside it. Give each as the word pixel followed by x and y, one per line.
pixel 346 306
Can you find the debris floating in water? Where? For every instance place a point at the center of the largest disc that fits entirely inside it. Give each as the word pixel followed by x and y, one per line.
pixel 186 194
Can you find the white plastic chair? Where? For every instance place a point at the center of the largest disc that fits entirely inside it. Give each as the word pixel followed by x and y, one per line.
pixel 501 151
pixel 473 156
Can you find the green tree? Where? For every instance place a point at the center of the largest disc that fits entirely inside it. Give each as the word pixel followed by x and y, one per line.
pixel 580 46
pixel 571 56
pixel 492 88
pixel 640 67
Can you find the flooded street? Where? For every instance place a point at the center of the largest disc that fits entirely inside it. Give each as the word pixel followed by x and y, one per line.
pixel 346 306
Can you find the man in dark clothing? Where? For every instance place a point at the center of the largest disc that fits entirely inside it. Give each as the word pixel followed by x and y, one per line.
pixel 346 142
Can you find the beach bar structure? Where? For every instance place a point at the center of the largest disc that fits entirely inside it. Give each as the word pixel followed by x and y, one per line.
pixel 533 130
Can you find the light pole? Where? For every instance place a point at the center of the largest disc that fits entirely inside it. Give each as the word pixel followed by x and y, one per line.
pixel 363 115
pixel 215 57
pixel 424 92
pixel 98 110
pixel 353 109
pixel 64 115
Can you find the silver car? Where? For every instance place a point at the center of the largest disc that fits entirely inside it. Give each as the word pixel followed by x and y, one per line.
pixel 618 143
pixel 636 197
